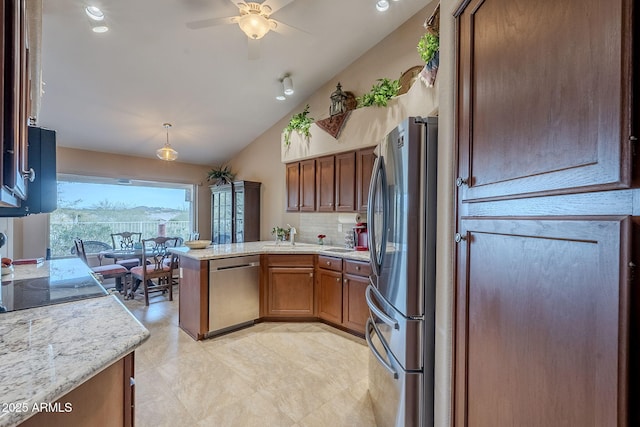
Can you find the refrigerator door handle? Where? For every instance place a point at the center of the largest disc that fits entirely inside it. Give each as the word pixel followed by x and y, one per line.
pixel 370 326
pixel 379 174
pixel 374 307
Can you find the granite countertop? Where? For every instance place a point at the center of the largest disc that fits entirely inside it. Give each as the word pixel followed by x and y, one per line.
pixel 48 351
pixel 268 247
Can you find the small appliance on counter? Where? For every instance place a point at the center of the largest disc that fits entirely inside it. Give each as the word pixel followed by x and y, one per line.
pixel 361 237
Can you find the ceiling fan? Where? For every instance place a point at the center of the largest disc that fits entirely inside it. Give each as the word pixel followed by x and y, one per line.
pixel 254 20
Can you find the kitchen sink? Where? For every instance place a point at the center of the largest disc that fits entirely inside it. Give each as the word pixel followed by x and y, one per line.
pixel 339 250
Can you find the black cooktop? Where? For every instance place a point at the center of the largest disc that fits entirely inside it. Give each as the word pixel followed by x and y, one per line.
pixel 36 292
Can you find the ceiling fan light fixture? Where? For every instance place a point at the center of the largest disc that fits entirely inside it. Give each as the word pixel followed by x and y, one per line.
pixel 254 25
pixel 287 85
pixel 382 5
pixel 167 153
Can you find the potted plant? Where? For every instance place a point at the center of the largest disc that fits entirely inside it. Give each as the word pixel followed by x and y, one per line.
pixel 380 93
pixel 221 174
pixel 429 50
pixel 301 123
pixel 282 234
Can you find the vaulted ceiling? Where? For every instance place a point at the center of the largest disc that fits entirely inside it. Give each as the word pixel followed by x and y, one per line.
pixel 113 91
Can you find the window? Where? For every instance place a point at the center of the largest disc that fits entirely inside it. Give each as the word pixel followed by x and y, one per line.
pixel 92 208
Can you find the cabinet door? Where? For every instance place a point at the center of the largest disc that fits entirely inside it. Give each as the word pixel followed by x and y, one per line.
pixel 293 187
pixel 542 330
pixel 551 122
pixel 364 167
pixel 355 309
pixel 308 186
pixel 346 182
pixel 325 184
pixel 329 295
pixel 238 214
pixel 290 292
pixel 221 214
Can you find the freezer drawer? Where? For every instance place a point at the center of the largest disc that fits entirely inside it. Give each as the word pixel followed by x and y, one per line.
pixel 234 293
pixel 403 336
pixel 396 394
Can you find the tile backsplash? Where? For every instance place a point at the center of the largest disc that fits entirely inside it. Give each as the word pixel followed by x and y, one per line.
pixel 312 224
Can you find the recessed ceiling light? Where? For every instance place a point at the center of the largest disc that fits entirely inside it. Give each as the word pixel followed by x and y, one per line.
pixel 94 13
pixel 100 29
pixel 281 97
pixel 382 5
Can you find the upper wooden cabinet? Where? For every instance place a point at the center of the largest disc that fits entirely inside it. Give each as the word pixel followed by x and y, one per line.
pixel 293 187
pixel 301 186
pixel 544 97
pixel 308 186
pixel 364 167
pixel 325 184
pixel 337 183
pixel 346 182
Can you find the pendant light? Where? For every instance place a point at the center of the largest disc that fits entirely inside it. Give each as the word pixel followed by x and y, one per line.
pixel 167 153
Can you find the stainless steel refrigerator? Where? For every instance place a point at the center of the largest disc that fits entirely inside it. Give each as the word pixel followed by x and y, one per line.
pixel 401 296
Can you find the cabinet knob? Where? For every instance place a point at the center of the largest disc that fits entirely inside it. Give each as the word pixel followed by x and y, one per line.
pixel 459 238
pixel 346 280
pixel 328 262
pixel 357 267
pixel 330 204
pixel 337 279
pixel 310 274
pixel 461 181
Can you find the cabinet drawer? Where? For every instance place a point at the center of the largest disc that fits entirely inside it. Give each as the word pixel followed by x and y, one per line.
pixel 290 260
pixel 330 263
pixel 359 268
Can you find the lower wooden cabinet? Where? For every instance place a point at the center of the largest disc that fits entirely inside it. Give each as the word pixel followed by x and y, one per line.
pixel 340 292
pixel 106 400
pixel 329 289
pixel 287 286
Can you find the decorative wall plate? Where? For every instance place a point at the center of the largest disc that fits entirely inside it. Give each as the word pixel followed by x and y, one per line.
pixel 408 77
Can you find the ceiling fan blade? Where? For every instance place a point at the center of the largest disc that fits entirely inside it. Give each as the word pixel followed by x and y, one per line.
pixel 211 22
pixel 287 30
pixel 254 48
pixel 276 5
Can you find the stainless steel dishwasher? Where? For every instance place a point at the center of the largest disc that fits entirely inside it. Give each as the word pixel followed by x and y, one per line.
pixel 234 293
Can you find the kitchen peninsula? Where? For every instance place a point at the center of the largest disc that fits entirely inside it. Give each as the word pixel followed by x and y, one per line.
pixel 56 358
pixel 304 282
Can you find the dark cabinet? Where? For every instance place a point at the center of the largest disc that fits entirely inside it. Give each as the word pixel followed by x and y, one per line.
pixel 325 184
pixel 544 329
pixel 235 212
pixel 42 196
pixel 301 186
pixel 346 182
pixel 288 288
pixel 308 186
pixel 293 187
pixel 354 303
pixel 364 168
pixel 329 289
pixel 16 98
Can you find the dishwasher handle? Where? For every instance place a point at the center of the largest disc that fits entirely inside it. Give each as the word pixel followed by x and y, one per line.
pixel 238 266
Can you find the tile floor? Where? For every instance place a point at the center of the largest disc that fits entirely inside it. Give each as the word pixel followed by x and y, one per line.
pixel 268 375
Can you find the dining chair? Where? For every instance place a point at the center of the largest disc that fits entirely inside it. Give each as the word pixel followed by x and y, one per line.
pixel 126 241
pixel 108 271
pixel 157 274
pixel 92 247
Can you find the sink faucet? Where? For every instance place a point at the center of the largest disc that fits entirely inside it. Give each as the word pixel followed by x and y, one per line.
pixel 292 233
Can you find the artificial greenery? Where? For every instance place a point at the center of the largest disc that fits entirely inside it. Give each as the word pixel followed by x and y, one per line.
pixel 380 93
pixel 428 46
pixel 222 174
pixel 301 123
pixel 282 234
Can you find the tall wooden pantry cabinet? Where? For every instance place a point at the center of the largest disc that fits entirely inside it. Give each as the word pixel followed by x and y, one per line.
pixel 235 212
pixel 547 202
